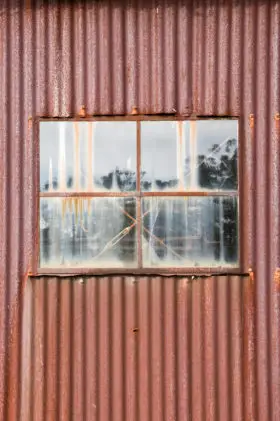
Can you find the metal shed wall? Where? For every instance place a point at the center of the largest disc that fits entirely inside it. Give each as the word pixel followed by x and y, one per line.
pixel 199 341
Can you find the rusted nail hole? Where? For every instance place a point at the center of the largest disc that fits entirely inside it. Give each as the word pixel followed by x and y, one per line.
pixel 135 330
pixel 277 116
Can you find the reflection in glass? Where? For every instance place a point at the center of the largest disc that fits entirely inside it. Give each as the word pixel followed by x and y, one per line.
pixel 190 231
pixel 114 156
pixel 159 155
pixel 87 156
pixel 65 158
pixel 56 156
pixel 211 154
pixel 97 232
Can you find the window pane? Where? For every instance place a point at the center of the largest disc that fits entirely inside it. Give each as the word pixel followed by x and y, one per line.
pixel 190 232
pixel 114 156
pixel 56 155
pixel 66 156
pixel 211 155
pixel 95 232
pixel 159 157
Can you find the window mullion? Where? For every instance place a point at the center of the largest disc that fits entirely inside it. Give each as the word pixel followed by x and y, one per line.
pixel 138 200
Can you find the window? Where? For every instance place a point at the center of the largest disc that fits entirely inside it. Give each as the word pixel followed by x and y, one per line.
pixel 143 194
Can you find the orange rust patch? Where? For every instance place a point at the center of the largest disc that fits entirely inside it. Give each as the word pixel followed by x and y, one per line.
pixel 277 278
pixel 30 123
pixel 251 275
pixel 251 121
pixel 82 113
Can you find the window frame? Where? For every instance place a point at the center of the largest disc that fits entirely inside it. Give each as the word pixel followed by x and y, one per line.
pixel 167 271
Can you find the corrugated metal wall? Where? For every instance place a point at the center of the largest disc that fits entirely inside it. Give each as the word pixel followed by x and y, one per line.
pixel 208 348
pixel 135 348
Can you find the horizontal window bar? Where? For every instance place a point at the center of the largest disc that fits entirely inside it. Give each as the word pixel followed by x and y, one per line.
pixel 190 193
pixel 89 194
pixel 138 117
pixel 170 271
pixel 142 194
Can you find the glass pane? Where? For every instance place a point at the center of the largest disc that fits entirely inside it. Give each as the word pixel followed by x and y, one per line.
pixel 114 156
pixel 95 232
pixel 190 232
pixel 66 156
pixel 211 155
pixel 159 156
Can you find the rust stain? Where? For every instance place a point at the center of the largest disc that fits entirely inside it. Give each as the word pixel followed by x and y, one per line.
pixel 82 112
pixel 251 121
pixel 76 208
pixel 26 275
pixel 277 279
pixel 30 123
pixel 277 122
pixel 251 275
pixel 134 111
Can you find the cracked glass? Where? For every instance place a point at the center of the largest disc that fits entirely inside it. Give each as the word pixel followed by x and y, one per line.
pixel 139 194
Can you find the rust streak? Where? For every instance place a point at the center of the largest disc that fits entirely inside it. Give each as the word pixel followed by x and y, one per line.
pixel 277 279
pixel 251 121
pixel 251 275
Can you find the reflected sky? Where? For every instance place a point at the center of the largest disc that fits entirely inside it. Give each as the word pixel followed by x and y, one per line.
pixel 83 156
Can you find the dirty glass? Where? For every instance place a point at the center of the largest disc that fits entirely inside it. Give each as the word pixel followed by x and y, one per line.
pixel 188 195
pixel 211 151
pixel 96 232
pixel 114 156
pixel 159 156
pixel 65 158
pixel 56 156
pixel 190 231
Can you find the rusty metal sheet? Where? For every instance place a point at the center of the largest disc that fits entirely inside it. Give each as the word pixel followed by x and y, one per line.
pixel 172 57
pixel 135 346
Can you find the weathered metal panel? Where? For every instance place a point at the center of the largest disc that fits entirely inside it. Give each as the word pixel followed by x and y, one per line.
pixel 135 347
pixel 199 341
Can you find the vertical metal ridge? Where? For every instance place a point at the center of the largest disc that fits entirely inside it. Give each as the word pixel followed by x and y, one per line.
pixel 13 200
pixel 198 395
pixel 210 349
pixel 169 342
pixel 51 320
pixel 261 198
pixel 118 344
pixel 77 362
pixel 222 362
pixel 28 352
pixel 183 348
pixel 144 382
pixel 4 226
pixel 170 39
pixel 274 211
